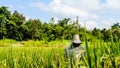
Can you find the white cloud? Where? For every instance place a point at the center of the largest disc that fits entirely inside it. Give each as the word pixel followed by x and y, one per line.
pixel 28 17
pixel 83 4
pixel 69 11
pixel 90 24
pixel 56 20
pixel 114 4
pixel 70 8
pixel 107 23
pixel 84 9
pixel 61 9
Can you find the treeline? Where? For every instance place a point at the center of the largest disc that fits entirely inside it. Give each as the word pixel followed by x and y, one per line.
pixel 15 26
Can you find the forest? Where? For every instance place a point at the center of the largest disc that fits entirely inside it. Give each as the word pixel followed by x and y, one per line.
pixel 15 26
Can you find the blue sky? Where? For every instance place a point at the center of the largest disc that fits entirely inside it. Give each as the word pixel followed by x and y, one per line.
pixel 94 13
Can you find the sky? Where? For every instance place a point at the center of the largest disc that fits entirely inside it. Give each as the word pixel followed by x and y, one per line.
pixel 91 13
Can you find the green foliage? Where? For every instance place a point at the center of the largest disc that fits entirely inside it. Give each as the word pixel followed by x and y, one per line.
pixel 14 26
pixel 32 43
pixel 34 28
pixel 3 30
pixel 19 19
pixel 7 42
pixel 115 29
pixel 4 14
pixel 96 32
pixel 99 55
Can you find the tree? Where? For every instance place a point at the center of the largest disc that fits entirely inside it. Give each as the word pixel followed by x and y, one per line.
pixel 34 26
pixel 14 26
pixel 63 22
pixel 25 33
pixel 105 34
pixel 3 30
pixel 96 32
pixel 19 19
pixel 5 12
pixel 116 32
pixel 4 18
pixel 116 25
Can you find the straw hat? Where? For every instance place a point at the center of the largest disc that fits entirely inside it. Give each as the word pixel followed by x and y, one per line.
pixel 76 39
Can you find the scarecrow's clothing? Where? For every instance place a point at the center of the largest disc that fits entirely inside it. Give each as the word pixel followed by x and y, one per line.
pixel 74 51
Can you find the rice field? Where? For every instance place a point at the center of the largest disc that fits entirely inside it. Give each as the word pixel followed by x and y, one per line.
pixel 98 55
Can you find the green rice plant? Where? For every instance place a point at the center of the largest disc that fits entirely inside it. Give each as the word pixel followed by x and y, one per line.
pixel 99 55
pixel 88 53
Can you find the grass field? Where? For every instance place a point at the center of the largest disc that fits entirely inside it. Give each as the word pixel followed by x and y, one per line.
pixel 40 54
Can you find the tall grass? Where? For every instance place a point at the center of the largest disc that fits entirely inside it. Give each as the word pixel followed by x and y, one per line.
pixel 99 55
pixel 24 57
pixel 32 43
